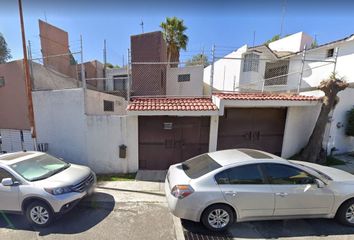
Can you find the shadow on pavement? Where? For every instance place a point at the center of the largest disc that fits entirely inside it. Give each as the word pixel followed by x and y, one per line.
pixel 88 213
pixel 132 191
pixel 273 229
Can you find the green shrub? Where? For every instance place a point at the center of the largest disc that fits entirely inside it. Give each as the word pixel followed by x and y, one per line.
pixel 350 125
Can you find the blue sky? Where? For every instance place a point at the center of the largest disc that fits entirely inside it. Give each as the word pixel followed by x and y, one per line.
pixel 223 22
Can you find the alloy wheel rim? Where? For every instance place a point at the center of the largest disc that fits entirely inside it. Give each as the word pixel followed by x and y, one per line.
pixel 349 215
pixel 218 218
pixel 39 215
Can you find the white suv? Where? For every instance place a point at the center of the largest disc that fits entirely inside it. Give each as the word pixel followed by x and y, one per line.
pixel 41 186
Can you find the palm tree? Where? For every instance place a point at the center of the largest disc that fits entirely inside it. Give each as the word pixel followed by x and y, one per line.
pixel 176 39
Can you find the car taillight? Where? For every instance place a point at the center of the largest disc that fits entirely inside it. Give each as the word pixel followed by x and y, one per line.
pixel 182 191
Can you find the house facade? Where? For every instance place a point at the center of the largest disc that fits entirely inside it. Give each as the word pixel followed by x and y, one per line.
pixel 293 65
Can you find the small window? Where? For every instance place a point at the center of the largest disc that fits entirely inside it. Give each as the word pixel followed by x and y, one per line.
pixel 330 52
pixel 4 174
pixel 283 174
pixel 108 106
pixel 251 63
pixel 247 174
pixel 2 81
pixel 184 77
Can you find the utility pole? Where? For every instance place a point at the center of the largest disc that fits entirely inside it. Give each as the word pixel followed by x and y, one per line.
pixel 254 38
pixel 212 69
pixel 303 59
pixel 83 79
pixel 27 79
pixel 104 63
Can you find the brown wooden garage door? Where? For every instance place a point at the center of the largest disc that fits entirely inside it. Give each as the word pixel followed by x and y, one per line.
pixel 257 128
pixel 165 140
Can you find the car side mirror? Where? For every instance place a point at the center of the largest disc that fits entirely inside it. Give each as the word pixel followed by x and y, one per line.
pixel 7 182
pixel 319 183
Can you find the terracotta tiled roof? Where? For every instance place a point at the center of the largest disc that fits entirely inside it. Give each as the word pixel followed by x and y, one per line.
pixel 171 104
pixel 265 96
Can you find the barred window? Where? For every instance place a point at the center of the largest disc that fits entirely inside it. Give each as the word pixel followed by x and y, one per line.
pixel 251 62
pixel 276 73
pixel 184 77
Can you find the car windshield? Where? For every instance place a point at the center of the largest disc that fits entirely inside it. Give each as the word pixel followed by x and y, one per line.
pixel 39 167
pixel 199 166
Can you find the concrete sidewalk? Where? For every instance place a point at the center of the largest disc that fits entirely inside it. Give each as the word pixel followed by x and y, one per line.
pixel 131 191
pixel 349 163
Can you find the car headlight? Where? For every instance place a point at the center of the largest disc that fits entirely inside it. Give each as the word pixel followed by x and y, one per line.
pixel 58 191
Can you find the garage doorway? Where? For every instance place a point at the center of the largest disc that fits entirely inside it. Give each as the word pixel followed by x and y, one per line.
pixel 257 128
pixel 165 140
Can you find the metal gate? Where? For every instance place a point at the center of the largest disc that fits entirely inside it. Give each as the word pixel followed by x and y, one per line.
pixel 257 128
pixel 165 140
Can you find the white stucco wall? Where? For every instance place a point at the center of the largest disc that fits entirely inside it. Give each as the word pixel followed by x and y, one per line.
pixel 104 136
pixel 300 121
pixel 94 103
pixel 292 43
pixel 91 140
pixel 226 71
pixel 194 87
pixel 337 137
pixel 60 122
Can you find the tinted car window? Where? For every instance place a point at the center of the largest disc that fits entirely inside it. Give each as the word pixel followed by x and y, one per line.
pixel 4 174
pixel 199 166
pixel 282 174
pixel 247 174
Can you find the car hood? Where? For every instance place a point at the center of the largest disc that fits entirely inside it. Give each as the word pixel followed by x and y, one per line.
pixel 335 174
pixel 70 176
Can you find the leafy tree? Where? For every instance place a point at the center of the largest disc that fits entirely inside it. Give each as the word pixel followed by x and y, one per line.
pixel 199 59
pixel 273 39
pixel 330 87
pixel 175 37
pixel 314 44
pixel 5 53
pixel 110 65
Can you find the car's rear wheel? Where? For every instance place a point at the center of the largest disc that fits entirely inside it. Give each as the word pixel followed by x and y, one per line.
pixel 39 214
pixel 218 217
pixel 345 214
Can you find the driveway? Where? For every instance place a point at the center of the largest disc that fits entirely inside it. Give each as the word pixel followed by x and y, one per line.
pixel 115 211
pixel 305 229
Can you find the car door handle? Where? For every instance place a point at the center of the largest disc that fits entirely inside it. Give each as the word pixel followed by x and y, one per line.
pixel 231 193
pixel 281 194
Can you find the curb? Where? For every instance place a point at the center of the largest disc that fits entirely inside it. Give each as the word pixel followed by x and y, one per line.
pixel 178 228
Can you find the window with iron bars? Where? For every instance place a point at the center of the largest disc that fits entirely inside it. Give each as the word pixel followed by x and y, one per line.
pixel 276 73
pixel 251 62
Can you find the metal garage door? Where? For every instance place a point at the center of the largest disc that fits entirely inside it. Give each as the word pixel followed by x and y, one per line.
pixel 258 128
pixel 165 140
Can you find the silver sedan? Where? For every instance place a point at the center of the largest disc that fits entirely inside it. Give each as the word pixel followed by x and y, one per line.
pixel 228 186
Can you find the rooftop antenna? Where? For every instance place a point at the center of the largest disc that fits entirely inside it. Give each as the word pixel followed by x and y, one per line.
pixel 283 17
pixel 45 17
pixel 142 26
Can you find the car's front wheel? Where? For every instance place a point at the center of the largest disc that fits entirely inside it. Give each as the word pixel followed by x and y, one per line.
pixel 218 217
pixel 39 214
pixel 345 214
